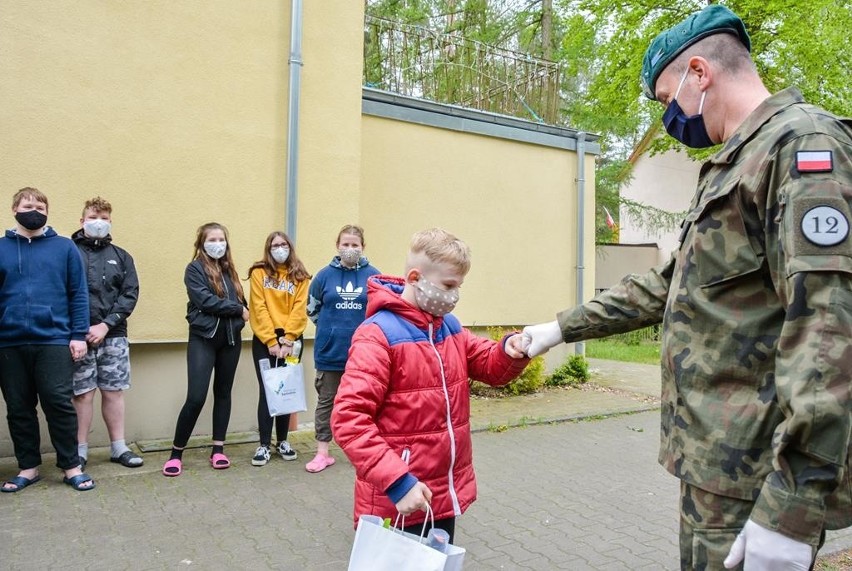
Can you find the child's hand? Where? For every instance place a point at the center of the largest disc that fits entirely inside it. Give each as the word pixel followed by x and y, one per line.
pixel 416 499
pixel 514 347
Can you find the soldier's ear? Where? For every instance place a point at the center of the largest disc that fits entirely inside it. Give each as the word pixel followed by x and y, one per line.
pixel 704 70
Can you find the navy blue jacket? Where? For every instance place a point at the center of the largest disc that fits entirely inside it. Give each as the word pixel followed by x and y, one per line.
pixel 337 304
pixel 43 295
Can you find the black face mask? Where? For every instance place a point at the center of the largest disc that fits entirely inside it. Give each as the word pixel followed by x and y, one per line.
pixel 31 219
pixel 688 129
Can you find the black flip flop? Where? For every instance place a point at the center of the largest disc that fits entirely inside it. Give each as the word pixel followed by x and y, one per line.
pixel 77 482
pixel 20 483
pixel 125 459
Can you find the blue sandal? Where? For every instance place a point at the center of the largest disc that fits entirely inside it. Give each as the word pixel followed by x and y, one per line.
pixel 77 482
pixel 20 483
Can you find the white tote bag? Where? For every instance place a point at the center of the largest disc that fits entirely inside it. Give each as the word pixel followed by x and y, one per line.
pixel 377 548
pixel 285 389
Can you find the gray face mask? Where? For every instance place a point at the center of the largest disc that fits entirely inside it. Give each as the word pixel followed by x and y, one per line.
pixel 280 254
pixel 215 249
pixel 434 300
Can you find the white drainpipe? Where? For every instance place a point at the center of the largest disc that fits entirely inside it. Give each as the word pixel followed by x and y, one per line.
pixel 293 115
pixel 580 347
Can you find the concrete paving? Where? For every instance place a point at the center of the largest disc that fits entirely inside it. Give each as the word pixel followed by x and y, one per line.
pixel 568 479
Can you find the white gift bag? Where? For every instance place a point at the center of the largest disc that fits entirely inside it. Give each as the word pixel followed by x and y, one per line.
pixel 285 389
pixel 377 548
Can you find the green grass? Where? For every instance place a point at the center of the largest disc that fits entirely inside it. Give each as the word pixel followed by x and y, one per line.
pixel 647 352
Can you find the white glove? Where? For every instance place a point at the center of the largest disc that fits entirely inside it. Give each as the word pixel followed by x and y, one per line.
pixel 767 550
pixel 539 338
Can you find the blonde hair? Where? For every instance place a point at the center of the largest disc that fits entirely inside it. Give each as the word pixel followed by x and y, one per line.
pixel 439 246
pixel 351 229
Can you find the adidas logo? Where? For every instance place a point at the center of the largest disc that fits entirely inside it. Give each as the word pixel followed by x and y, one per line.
pixel 349 293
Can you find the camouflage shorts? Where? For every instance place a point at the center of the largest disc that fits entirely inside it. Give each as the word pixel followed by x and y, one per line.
pixel 106 367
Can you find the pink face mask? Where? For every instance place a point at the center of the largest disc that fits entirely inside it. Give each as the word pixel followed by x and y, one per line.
pixel 434 300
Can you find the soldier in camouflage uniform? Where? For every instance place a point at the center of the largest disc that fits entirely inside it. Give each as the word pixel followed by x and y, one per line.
pixel 755 306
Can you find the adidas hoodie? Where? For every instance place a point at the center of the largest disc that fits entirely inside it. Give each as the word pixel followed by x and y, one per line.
pixel 337 304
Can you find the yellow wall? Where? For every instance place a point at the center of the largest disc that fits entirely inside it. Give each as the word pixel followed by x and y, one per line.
pixel 176 112
pixel 514 203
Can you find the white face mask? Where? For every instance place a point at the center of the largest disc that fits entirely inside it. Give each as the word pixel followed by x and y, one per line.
pixel 349 256
pixel 215 249
pixel 97 228
pixel 280 254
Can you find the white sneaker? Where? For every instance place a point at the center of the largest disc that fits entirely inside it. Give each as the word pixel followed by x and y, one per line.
pixel 261 456
pixel 286 452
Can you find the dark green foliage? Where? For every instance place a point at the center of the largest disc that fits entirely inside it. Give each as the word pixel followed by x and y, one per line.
pixel 574 371
pixel 531 380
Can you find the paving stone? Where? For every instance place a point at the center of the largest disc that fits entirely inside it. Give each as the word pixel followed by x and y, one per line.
pixel 578 494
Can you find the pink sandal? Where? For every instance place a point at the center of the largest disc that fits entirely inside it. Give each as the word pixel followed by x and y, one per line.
pixel 319 463
pixel 173 468
pixel 219 461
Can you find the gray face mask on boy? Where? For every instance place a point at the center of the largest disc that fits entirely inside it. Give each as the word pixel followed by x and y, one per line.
pixel 434 300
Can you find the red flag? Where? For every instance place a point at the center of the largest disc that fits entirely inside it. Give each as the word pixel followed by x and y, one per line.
pixel 609 221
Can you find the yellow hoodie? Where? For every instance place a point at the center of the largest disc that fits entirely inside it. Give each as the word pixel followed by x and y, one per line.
pixel 277 304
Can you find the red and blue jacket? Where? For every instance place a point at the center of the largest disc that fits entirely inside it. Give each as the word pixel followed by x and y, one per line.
pixel 402 411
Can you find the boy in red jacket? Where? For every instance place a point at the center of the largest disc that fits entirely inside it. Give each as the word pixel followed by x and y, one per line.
pixel 402 412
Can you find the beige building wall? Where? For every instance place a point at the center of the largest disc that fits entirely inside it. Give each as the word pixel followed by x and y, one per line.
pixel 665 181
pixel 507 187
pixel 615 261
pixel 514 203
pixel 176 112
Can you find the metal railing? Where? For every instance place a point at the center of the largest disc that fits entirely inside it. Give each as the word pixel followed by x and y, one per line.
pixel 447 68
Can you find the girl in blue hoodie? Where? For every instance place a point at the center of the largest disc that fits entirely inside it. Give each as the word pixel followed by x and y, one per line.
pixel 337 304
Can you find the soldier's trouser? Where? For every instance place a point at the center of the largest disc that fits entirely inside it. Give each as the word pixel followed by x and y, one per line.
pixel 709 524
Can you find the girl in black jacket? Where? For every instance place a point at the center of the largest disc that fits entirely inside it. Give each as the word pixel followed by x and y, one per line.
pixel 216 313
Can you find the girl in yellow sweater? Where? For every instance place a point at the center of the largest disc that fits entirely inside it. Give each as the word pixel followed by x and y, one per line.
pixel 277 308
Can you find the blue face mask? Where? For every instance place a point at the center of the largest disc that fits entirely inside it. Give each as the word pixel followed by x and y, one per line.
pixel 689 130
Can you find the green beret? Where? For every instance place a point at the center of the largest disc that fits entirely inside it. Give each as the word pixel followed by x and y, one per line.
pixel 714 19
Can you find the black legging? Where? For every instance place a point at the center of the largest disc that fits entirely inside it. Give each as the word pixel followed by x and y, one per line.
pixel 203 356
pixel 264 421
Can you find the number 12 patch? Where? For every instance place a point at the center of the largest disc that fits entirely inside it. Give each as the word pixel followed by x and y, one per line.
pixel 825 226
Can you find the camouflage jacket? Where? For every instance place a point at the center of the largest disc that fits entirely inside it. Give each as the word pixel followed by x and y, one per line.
pixel 756 307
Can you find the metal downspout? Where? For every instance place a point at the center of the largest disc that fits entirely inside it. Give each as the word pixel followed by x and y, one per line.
pixel 295 62
pixel 580 347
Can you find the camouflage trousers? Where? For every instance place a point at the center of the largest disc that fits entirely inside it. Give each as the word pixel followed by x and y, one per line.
pixel 709 524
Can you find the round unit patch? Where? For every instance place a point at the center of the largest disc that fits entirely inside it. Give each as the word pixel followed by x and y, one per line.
pixel 825 226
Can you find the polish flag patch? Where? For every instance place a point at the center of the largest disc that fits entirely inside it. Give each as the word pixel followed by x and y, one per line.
pixel 814 161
